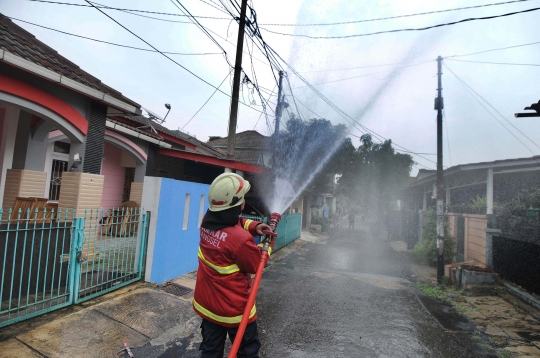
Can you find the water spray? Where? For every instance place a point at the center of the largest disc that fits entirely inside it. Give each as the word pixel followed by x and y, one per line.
pixel 269 236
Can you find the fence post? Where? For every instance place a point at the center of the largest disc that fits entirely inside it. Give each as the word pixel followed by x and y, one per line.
pixel 77 240
pixel 144 237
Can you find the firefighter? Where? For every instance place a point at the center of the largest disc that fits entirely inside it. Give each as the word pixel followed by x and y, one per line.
pixel 227 256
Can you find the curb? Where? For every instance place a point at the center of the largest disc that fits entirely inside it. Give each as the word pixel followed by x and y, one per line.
pixel 524 296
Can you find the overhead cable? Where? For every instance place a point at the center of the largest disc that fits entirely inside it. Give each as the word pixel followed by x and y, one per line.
pixel 498 63
pixel 365 74
pixel 115 44
pixel 473 92
pixel 169 58
pixel 208 100
pixel 124 9
pixel 491 50
pixel 405 29
pixel 398 16
pixel 339 110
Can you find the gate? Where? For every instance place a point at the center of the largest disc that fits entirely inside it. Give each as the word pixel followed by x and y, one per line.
pixel 288 230
pixel 51 260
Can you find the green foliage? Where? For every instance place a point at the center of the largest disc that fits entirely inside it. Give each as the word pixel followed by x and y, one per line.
pixel 479 202
pixel 503 353
pixel 372 174
pixel 321 220
pixel 426 250
pixel 524 200
pixel 303 145
pixel 485 346
pixel 442 293
pixel 432 291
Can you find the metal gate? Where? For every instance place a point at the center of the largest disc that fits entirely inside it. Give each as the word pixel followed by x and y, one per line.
pixel 50 260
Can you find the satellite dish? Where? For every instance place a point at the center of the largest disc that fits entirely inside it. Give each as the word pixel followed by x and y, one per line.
pixel 154 116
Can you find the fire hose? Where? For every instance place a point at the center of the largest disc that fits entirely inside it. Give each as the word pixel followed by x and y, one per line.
pixel 268 237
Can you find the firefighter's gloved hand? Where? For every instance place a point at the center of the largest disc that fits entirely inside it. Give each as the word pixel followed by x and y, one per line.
pixel 262 227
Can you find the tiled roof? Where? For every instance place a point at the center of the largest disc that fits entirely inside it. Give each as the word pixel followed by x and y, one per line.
pixel 249 146
pixel 246 139
pixel 175 133
pixel 20 42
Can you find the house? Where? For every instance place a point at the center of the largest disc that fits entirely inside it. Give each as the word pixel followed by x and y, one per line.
pixel 60 124
pixel 474 196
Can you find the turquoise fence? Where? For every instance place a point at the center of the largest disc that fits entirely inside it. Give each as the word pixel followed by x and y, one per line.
pixel 50 259
pixel 288 229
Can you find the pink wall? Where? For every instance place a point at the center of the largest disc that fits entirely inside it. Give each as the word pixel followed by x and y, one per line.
pixel 114 177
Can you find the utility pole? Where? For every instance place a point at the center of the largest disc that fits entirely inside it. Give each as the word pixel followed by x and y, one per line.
pixel 439 105
pixel 231 139
pixel 279 105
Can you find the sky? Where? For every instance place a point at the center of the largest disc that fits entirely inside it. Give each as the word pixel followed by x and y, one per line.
pixel 395 101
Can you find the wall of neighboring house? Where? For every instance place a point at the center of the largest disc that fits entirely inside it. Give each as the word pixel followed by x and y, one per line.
pixel 474 235
pixel 114 174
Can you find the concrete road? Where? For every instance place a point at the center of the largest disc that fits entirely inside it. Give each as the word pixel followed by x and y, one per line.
pixel 352 295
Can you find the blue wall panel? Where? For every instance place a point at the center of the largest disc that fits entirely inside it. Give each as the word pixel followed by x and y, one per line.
pixel 175 249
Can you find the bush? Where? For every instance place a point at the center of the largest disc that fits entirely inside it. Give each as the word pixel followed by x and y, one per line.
pixel 321 220
pixel 426 250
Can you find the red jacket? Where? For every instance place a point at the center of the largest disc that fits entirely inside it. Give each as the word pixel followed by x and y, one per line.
pixel 226 258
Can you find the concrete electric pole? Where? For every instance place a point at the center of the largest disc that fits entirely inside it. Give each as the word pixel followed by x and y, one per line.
pixel 279 105
pixel 236 82
pixel 439 105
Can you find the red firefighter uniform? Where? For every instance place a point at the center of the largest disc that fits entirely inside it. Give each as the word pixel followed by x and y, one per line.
pixel 226 258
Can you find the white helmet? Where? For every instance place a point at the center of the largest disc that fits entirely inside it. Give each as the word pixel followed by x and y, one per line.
pixel 227 191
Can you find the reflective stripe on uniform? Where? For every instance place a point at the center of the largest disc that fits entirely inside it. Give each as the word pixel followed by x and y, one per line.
pixel 217 318
pixel 224 270
pixel 247 223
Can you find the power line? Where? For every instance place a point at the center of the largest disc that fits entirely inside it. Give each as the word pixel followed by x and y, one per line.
pixel 124 9
pixel 406 29
pixel 336 108
pixel 491 50
pixel 214 6
pixel 365 75
pixel 471 90
pixel 203 29
pixel 208 100
pixel 170 59
pixel 498 63
pixel 399 16
pixel 260 115
pixel 112 43
pixel 368 66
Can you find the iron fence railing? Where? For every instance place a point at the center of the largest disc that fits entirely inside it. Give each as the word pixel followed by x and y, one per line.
pixel 50 260
pixel 35 260
pixel 110 249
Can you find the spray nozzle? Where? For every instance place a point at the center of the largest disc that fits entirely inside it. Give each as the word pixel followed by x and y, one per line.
pixel 274 220
pixel 271 234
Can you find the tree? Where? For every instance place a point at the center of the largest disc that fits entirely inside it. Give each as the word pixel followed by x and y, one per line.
pixel 374 176
pixel 311 151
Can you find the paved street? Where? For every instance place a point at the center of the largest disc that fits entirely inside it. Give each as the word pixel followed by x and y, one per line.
pixel 346 295
pixel 351 295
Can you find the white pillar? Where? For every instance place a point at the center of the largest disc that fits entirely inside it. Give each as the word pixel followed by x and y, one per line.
pixel 228 170
pixel 9 124
pixel 489 192
pixel 447 196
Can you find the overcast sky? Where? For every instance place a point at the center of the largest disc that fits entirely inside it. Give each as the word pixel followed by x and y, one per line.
pixel 394 101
